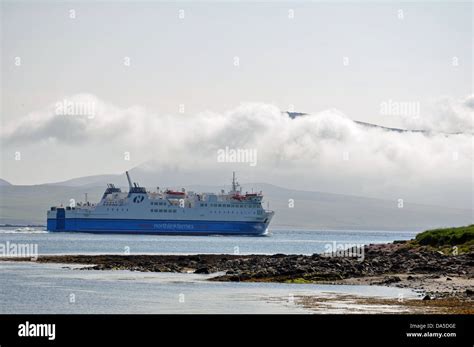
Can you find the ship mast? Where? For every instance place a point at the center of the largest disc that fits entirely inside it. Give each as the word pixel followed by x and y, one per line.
pixel 129 180
pixel 235 184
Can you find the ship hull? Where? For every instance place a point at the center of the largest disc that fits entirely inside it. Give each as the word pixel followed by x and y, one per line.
pixel 156 227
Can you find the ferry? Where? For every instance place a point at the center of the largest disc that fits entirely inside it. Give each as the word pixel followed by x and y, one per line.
pixel 170 212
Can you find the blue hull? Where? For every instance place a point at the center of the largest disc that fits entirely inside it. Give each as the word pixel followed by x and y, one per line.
pixel 155 227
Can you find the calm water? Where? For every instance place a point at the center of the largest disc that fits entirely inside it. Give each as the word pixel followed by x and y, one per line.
pixel 279 241
pixel 49 288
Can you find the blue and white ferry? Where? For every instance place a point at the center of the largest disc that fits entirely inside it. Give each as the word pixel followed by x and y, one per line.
pixel 139 211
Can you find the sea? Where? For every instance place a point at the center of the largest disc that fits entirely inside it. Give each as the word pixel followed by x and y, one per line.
pixel 30 287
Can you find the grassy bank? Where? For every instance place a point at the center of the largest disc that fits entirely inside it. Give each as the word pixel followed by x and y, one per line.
pixel 448 240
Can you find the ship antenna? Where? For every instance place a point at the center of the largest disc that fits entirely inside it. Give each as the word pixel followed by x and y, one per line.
pixel 129 180
pixel 233 181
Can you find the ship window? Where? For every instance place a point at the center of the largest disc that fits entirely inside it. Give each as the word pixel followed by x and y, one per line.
pixel 151 210
pixel 161 210
pixel 219 205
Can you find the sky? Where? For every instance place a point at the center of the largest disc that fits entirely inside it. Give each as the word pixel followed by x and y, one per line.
pixel 172 83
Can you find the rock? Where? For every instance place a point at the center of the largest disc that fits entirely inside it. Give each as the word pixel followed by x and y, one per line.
pixel 434 276
pixel 410 278
pixel 426 297
pixel 448 279
pixel 202 270
pixel 391 279
pixel 469 292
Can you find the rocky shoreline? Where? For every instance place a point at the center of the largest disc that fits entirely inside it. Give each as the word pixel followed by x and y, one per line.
pixel 432 273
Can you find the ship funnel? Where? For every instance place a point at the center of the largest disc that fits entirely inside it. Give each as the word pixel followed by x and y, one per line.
pixel 129 180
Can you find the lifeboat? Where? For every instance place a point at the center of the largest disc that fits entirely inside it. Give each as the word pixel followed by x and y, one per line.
pixel 170 194
pixel 238 197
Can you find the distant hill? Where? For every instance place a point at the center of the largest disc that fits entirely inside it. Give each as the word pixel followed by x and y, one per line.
pixel 294 115
pixel 4 183
pixel 312 210
pixel 96 180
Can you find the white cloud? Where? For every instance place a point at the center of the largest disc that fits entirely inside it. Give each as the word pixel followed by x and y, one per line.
pixel 325 151
pixel 446 115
